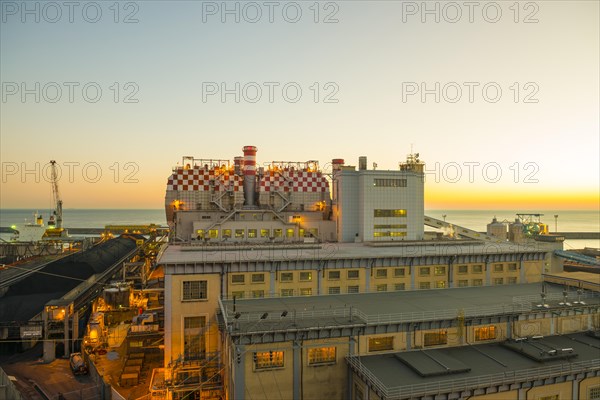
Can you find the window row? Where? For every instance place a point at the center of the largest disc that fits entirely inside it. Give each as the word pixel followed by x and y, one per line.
pixel 265 360
pixel 255 233
pixel 380 213
pixel 389 234
pixel 377 182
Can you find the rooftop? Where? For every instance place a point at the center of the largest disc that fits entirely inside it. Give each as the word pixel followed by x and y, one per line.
pixel 418 372
pixel 391 307
pixel 202 253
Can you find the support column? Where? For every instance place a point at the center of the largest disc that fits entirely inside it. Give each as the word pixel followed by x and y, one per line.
pixel 168 324
pixel 67 342
pixel 272 277
pixel 320 271
pixel 488 274
pixel 575 391
pixel 409 337
pixel 508 328
pixel 297 365
pixel 412 271
pixel 522 277
pixel 239 372
pixel 350 373
pixel 450 274
pixel 368 279
pixel 75 330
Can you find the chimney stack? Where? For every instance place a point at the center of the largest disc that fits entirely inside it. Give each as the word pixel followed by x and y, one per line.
pixel 249 176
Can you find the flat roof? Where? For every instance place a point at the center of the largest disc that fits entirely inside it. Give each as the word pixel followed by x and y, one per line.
pixel 389 307
pixel 400 374
pixel 213 253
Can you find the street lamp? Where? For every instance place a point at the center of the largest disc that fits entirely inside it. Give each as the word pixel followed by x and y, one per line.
pixel 555 223
pixel 444 216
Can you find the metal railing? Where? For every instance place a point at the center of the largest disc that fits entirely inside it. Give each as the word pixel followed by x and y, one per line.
pixel 461 384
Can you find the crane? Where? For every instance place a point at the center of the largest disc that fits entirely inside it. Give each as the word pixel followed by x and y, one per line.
pixel 56 216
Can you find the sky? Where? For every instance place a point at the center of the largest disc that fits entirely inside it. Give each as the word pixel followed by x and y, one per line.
pixel 500 99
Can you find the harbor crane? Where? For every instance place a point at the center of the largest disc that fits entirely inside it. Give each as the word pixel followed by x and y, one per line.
pixel 55 229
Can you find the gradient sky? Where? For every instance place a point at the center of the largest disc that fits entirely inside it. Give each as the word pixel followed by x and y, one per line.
pixel 372 49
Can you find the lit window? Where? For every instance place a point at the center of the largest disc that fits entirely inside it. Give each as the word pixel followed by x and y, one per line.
pixel 301 232
pixel 321 355
pixel 440 284
pixel 287 292
pixel 289 232
pixel 485 333
pixel 389 226
pixel 463 269
pixel 226 233
pixel 463 283
pixel 381 273
pixel 399 286
pixel 334 290
pixel 477 282
pixel 389 213
pixel 333 275
pixel 353 274
pixel 498 267
pixel 200 233
pixel 435 338
pixel 258 294
pixel 424 285
pixel 477 269
pixel 258 278
pixel 194 290
pixel 287 276
pixel 264 233
pixel 268 360
pixel 305 291
pixel 397 234
pixel 398 272
pixel 424 271
pixel 306 276
pixel 381 343
pixel 252 233
pixel 440 270
pixel 277 233
pixel 239 233
pixel 353 289
pixel 213 233
pixel 238 278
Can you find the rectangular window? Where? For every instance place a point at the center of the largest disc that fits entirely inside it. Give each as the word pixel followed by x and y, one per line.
pixel 251 233
pixel 301 232
pixel 477 269
pixel 594 393
pixel 399 272
pixel 258 278
pixel 435 338
pixel 321 355
pixel 353 289
pixel 400 286
pixel 194 290
pixel 213 233
pixel 498 281
pixel 477 282
pixel 424 271
pixel 226 233
pixel 352 274
pixel 485 333
pixel 193 337
pixel 305 291
pixel 258 294
pixel 286 277
pixel 239 233
pixel 305 276
pixel 238 295
pixel 377 213
pixel 287 292
pixel 389 226
pixel 463 283
pixel 238 278
pixel 289 232
pixel 200 233
pixel 277 233
pixel 381 273
pixel 268 360
pixel 334 290
pixel 512 267
pixel 498 267
pixel 440 284
pixel 512 280
pixel 333 275
pixel 389 182
pixel 382 288
pixel 463 269
pixel 265 233
pixel 381 343
pixel 424 285
pixel 440 270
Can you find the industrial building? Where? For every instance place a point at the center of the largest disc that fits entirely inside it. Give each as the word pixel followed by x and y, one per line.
pixel 277 274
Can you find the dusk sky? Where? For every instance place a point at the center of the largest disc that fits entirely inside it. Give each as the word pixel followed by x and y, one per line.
pixel 509 117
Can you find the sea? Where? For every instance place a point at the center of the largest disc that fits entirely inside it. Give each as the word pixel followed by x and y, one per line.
pixel 567 220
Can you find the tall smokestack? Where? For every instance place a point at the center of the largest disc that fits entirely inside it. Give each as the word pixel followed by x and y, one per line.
pixel 249 176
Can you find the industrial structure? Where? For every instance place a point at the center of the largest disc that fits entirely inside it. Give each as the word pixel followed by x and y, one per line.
pixel 279 278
